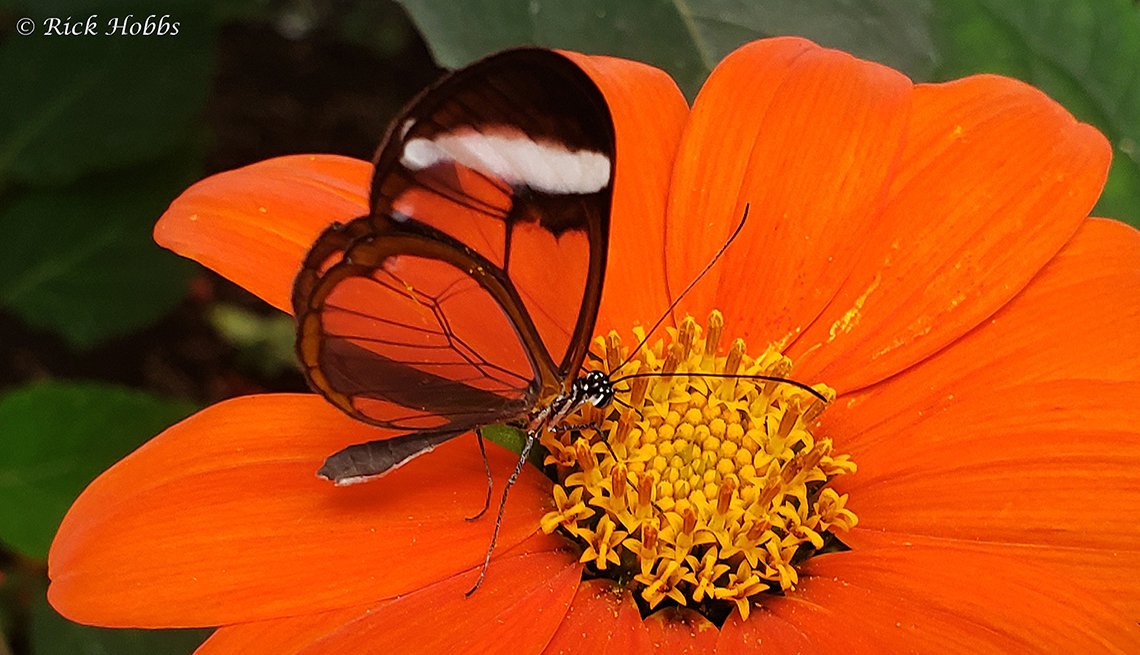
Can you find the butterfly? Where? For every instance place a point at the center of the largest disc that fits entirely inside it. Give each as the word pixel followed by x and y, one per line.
pixel 467 296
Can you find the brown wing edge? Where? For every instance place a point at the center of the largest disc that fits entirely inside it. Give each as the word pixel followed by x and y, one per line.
pixel 336 238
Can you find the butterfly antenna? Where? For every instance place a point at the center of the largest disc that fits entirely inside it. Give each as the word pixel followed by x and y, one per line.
pixel 669 311
pixel 490 482
pixel 625 404
pixel 732 376
pixel 502 506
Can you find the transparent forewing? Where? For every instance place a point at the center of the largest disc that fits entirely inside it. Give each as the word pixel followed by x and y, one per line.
pixel 400 333
pixel 513 158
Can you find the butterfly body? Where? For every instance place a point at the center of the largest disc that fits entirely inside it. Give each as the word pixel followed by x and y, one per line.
pixel 594 388
pixel 367 461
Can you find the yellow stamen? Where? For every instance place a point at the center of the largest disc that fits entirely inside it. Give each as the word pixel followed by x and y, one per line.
pixel 613 351
pixel 715 329
pixel 601 543
pixel 709 488
pixel 663 583
pixel 570 510
pixel 740 587
pixel 703 574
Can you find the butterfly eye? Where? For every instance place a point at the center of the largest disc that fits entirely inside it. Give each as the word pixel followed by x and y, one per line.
pixel 599 391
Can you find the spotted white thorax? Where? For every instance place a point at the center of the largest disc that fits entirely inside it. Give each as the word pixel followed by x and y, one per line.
pixel 594 388
pixel 515 158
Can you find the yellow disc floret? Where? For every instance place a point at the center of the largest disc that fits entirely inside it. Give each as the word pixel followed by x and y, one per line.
pixel 701 482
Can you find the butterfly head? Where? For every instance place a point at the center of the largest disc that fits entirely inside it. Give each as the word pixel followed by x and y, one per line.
pixel 595 388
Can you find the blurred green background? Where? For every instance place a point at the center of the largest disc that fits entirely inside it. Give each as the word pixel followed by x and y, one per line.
pixel 105 339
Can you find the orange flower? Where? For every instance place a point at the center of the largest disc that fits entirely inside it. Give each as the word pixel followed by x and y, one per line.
pixel 922 250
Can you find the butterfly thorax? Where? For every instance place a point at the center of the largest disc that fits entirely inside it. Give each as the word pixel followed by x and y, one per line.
pixel 594 388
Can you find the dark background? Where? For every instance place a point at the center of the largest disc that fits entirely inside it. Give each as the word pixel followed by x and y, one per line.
pixel 281 83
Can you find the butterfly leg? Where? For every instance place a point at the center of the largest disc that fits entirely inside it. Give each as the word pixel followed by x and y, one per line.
pixel 487 470
pixel 576 426
pixel 530 436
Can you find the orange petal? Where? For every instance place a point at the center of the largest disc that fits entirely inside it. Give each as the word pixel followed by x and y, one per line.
pixel 1048 469
pixel 1023 433
pixel 221 519
pixel 525 596
pixel 764 632
pixel 287 636
pixel 994 178
pixel 1109 574
pixel 1050 464
pixel 254 225
pixel 649 113
pixel 677 631
pixel 1043 473
pixel 1073 322
pixel 939 600
pixel 806 137
pixel 603 620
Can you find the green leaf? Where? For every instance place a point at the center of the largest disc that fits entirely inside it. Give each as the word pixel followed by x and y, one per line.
pixel 75 105
pixel 52 634
pixel 267 342
pixel 513 439
pixel 684 37
pixel 1084 54
pixel 81 261
pixel 891 32
pixel 507 436
pixel 56 437
pixel 382 26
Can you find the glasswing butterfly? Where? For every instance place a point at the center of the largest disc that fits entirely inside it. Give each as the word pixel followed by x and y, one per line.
pixel 468 294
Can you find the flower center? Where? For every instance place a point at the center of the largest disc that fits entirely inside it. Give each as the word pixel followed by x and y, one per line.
pixel 700 484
